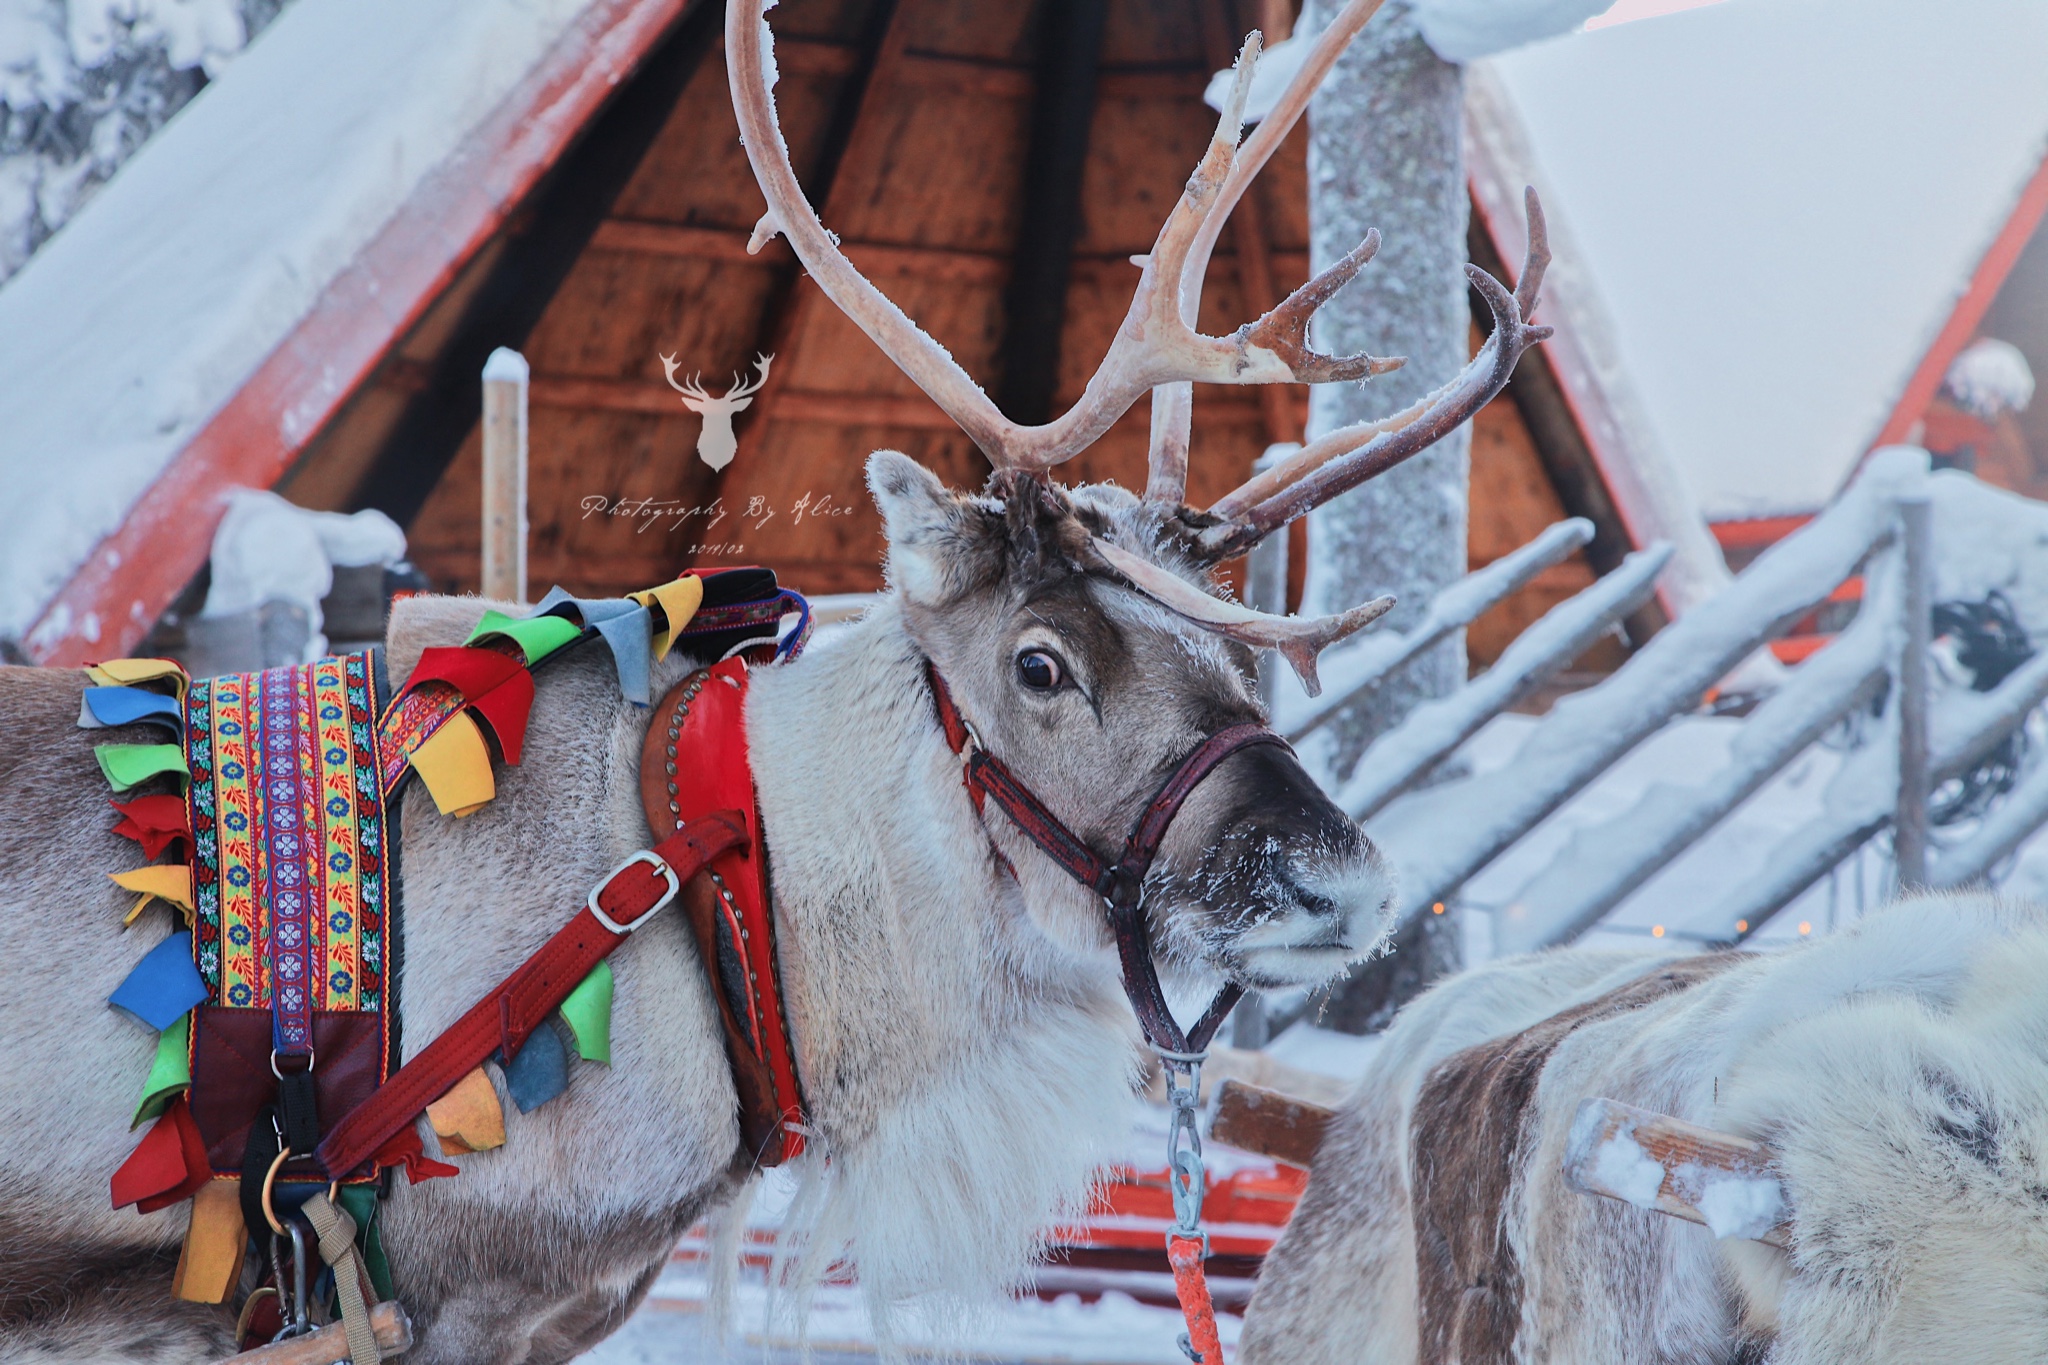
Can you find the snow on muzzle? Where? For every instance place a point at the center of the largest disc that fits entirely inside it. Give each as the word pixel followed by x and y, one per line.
pixel 1264 878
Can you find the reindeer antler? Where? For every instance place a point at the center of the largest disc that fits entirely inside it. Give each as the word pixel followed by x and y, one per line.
pixel 1341 460
pixel 1298 639
pixel 1158 349
pixel 1155 345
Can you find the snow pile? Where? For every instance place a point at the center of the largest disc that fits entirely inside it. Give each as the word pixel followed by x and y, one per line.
pixel 1738 1205
pixel 83 83
pixel 1990 379
pixel 268 550
pixel 1624 1168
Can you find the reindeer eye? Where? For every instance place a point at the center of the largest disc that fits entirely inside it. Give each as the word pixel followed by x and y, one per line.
pixel 1040 670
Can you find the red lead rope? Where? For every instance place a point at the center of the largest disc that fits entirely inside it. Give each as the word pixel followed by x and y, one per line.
pixel 1191 1284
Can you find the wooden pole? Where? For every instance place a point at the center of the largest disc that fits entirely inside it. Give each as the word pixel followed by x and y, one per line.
pixel 1614 1146
pixel 1909 824
pixel 329 1345
pixel 504 532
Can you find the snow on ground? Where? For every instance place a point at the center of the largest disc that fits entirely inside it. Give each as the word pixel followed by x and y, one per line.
pixel 1113 1330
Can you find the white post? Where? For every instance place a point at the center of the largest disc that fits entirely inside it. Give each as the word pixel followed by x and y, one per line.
pixel 1909 824
pixel 504 538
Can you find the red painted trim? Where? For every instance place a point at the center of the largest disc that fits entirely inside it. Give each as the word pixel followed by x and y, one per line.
pixel 1795 649
pixel 1756 533
pixel 1968 315
pixel 135 571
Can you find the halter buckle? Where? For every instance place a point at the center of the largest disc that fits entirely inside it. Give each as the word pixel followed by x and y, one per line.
pixel 661 867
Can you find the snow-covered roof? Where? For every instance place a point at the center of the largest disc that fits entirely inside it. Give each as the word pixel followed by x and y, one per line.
pixel 1781 203
pixel 219 297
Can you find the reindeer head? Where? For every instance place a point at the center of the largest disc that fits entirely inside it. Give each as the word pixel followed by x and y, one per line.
pixel 716 444
pixel 1079 629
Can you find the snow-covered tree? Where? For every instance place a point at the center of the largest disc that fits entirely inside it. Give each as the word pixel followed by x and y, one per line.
pixel 83 83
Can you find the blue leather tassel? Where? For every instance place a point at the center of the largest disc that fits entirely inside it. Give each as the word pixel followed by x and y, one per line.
pixel 540 1071
pixel 164 985
pixel 625 626
pixel 104 707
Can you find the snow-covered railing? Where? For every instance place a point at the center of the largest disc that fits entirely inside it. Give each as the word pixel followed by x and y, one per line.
pixel 1360 663
pixel 1863 796
pixel 1405 754
pixel 1602 864
pixel 1914 538
pixel 1441 836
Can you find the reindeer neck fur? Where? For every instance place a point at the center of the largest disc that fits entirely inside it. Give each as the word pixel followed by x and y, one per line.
pixel 966 1076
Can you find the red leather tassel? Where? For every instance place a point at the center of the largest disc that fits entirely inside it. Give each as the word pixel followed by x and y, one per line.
pixel 167 1166
pixel 496 687
pixel 155 822
pixel 408 1151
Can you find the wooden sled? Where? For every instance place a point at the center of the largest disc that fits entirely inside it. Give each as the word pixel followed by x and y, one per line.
pixel 329 1345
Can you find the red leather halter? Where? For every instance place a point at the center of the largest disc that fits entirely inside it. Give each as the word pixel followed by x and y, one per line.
pixel 1119 883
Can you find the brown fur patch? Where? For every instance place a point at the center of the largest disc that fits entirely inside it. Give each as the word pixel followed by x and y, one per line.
pixel 1469 1130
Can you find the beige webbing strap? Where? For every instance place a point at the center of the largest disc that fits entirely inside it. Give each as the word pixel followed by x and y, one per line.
pixel 337 1233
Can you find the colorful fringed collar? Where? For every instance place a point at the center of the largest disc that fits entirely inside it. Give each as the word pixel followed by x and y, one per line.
pixel 273 797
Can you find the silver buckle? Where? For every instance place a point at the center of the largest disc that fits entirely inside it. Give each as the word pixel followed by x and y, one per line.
pixel 653 860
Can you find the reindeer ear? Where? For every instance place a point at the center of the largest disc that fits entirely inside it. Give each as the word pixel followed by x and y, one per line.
pixel 937 538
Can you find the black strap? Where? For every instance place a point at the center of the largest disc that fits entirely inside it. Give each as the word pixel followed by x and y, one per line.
pixel 258 1152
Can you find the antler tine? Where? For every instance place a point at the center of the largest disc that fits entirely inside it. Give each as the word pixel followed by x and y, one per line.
pixel 1166 485
pixel 1343 459
pixel 689 388
pixel 1536 256
pixel 747 388
pixel 1298 639
pixel 1284 330
pixel 929 366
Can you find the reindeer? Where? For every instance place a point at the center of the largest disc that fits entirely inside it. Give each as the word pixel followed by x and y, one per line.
pixel 966 1053
pixel 1861 1122
pixel 716 444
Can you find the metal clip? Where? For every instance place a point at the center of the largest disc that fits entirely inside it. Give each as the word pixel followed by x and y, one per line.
pixel 302 1299
pixel 1186 1179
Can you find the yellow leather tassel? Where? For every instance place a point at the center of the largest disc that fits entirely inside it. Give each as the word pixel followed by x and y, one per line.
pixel 678 599
pixel 455 763
pixel 211 1262
pixel 129 672
pixel 468 1118
pixel 165 881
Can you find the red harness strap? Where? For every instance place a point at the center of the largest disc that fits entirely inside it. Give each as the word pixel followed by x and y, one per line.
pixel 696 761
pixel 503 1019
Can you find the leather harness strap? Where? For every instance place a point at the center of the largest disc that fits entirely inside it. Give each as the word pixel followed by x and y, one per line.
pixel 1119 883
pixel 696 760
pixel 503 1020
